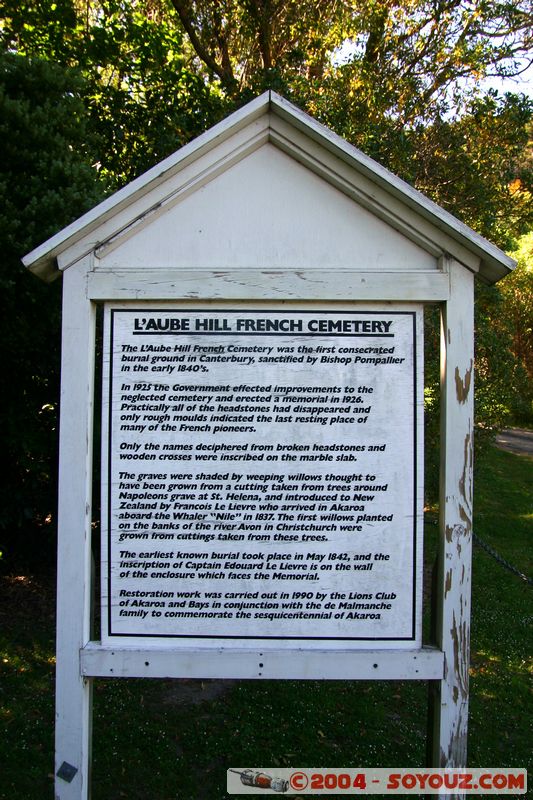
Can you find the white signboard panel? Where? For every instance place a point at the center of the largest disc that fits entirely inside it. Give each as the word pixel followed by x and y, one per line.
pixel 262 477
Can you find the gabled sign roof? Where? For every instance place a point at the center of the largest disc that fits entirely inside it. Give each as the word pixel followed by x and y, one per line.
pixel 389 198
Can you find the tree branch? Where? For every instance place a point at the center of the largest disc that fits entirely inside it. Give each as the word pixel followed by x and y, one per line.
pixel 262 13
pixel 224 70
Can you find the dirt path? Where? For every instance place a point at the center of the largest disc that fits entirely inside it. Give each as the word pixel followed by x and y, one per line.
pixel 516 440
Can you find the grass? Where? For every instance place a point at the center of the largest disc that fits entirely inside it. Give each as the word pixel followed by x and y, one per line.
pixel 163 740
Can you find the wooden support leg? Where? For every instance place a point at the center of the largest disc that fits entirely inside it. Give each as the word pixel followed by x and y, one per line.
pixel 73 692
pixel 450 696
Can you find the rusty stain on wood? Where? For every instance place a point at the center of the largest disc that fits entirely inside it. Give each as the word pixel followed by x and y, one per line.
pixel 448 584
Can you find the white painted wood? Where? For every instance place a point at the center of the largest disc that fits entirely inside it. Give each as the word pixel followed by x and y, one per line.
pixel 454 581
pixel 73 691
pixel 265 211
pixel 495 263
pixel 289 284
pixel 251 123
pixel 41 259
pixel 192 178
pixel 109 661
pixel 367 193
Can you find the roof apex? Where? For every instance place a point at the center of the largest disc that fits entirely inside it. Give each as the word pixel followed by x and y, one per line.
pixel 494 263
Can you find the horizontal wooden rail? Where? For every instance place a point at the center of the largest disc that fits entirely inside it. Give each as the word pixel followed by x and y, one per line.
pixel 244 284
pixel 150 662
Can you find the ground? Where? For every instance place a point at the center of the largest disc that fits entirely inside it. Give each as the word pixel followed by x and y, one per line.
pixel 516 440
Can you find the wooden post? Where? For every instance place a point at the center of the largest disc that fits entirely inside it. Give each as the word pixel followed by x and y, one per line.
pixel 204 226
pixel 450 696
pixel 73 691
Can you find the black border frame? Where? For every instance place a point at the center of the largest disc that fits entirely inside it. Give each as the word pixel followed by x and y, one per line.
pixel 209 310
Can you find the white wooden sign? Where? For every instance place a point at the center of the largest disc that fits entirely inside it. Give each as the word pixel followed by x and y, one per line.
pixel 261 440
pixel 262 476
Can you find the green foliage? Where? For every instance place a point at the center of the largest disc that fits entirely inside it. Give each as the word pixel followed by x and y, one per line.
pixel 503 382
pixel 47 149
pixel 68 136
pixel 45 29
pixel 504 346
pixel 143 97
pixel 497 375
pixel 398 79
pixel 45 182
pixel 516 322
pixel 472 166
pixel 145 100
pixel 408 58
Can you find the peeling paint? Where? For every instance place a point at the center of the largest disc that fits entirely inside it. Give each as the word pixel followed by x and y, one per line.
pixel 462 387
pixel 466 478
pixel 456 524
pixel 456 755
pixel 465 516
pixel 458 534
pixel 457 749
pixel 461 656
